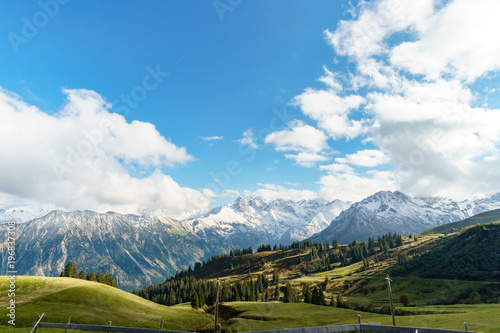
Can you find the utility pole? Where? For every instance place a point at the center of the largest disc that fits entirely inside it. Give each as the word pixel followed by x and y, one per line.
pixel 216 328
pixel 390 299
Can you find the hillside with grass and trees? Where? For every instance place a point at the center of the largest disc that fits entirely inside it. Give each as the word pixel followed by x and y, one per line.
pixel 256 276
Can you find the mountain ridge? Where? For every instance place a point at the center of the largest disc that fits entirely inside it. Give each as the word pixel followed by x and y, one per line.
pixel 387 211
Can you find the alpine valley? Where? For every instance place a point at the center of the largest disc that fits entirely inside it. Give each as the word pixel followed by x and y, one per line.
pixel 145 249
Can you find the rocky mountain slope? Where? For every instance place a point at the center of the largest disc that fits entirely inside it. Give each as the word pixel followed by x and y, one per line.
pixel 396 212
pixel 269 221
pixel 136 249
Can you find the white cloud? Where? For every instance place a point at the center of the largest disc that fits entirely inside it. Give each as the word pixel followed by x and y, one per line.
pixel 337 168
pixel 330 79
pixel 459 40
pixel 415 63
pixel 80 157
pixel 273 192
pixel 248 139
pixel 366 158
pixel 307 159
pixel 352 187
pixel 306 140
pixel 212 138
pixel 331 111
pixel 366 35
pixel 300 137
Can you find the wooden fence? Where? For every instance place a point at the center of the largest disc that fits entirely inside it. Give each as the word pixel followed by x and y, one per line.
pixel 368 328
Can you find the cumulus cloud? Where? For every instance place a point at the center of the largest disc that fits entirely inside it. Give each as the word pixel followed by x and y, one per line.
pixel 80 158
pixel 307 159
pixel 331 111
pixel 337 167
pixel 366 158
pixel 273 192
pixel 300 137
pixel 411 96
pixel 306 140
pixel 460 40
pixel 248 139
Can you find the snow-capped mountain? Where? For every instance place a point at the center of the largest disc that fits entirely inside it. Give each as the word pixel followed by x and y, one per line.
pixel 23 213
pixel 137 249
pixel 387 211
pixel 273 221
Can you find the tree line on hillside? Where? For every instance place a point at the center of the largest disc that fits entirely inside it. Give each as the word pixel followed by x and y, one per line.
pixel 321 252
pixel 71 270
pixel 203 292
pixel 184 287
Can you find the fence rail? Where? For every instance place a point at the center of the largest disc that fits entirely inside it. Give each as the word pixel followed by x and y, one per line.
pixel 368 328
pixel 103 328
pixel 404 329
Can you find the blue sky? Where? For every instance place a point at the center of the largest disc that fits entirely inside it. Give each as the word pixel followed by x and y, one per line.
pixel 357 100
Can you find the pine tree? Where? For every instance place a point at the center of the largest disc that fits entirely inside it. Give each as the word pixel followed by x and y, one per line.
pixel 74 270
pixel 68 269
pixel 340 301
pixel 81 275
pixel 307 294
pixel 289 293
pixel 195 301
pixel 91 276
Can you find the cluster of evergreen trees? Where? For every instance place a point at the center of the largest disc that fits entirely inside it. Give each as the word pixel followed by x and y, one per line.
pixel 71 270
pixel 202 292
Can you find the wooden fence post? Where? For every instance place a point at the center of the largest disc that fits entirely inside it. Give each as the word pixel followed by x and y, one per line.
pixel 161 325
pixel 466 327
pixel 390 299
pixel 36 327
pixel 216 326
pixel 69 321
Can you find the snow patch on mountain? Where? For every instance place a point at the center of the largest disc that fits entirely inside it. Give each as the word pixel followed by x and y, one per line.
pixel 23 213
pixel 281 220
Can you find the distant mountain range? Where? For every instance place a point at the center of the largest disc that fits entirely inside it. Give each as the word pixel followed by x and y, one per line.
pixel 142 249
pixel 386 212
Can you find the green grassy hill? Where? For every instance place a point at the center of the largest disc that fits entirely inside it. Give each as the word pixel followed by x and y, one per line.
pixel 483 218
pixel 91 303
